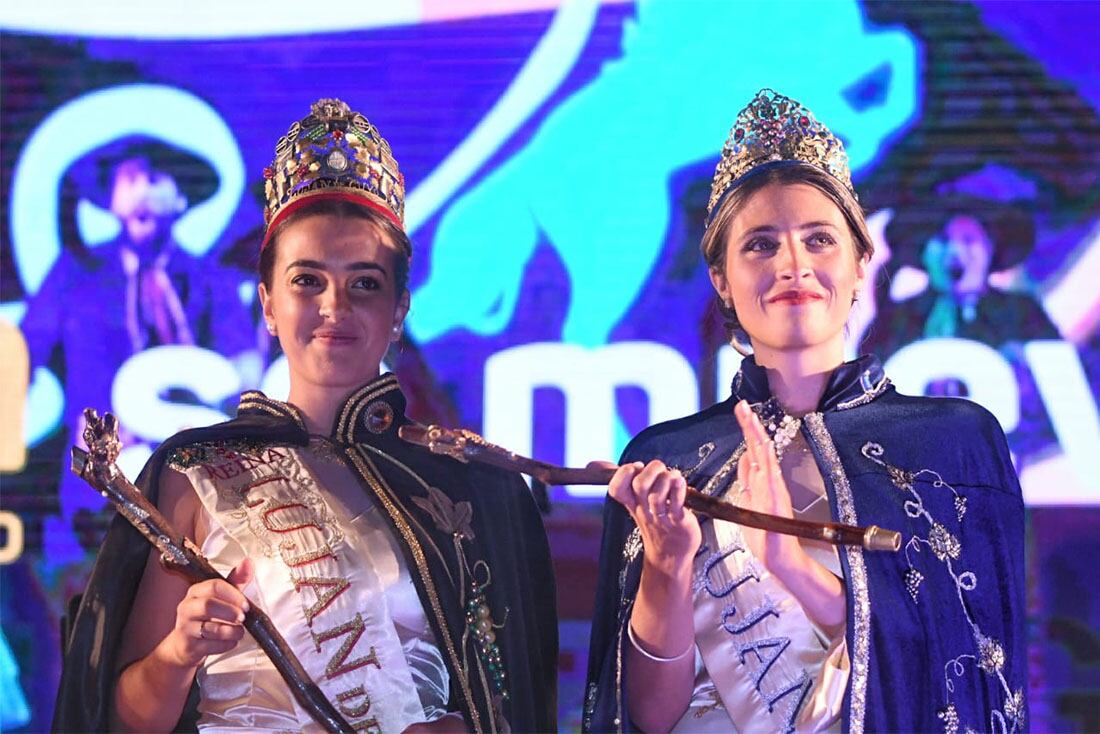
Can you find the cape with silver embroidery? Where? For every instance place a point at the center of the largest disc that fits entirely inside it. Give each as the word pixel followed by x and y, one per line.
pixel 507 536
pixel 935 632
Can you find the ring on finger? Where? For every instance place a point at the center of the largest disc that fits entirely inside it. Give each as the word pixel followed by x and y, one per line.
pixel 202 630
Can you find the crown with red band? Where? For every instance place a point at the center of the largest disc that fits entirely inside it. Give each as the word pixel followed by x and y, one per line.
pixel 332 153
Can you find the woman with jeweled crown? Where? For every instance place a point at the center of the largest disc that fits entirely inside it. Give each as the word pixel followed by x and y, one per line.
pixel 704 625
pixel 416 591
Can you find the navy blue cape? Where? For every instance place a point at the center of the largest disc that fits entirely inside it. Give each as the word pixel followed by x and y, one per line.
pixel 935 632
pixel 509 537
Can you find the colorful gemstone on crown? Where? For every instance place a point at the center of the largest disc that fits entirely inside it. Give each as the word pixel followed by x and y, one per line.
pixel 337 161
pixel 329 149
pixel 774 128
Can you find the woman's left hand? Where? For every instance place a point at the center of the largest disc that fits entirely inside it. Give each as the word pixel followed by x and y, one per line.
pixel 452 723
pixel 764 490
pixel 820 593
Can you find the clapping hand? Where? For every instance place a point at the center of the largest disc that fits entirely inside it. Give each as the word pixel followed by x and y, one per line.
pixel 764 490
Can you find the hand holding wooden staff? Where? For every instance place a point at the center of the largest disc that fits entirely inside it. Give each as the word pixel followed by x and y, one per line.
pixel 214 615
pixel 466 445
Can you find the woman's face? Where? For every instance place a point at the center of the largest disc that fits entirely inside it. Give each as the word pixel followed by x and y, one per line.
pixel 333 299
pixel 791 270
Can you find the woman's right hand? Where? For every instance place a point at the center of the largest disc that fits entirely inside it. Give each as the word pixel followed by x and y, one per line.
pixel 659 629
pixel 654 495
pixel 209 619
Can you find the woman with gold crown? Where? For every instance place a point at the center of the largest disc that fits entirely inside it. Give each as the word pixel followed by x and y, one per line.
pixel 416 591
pixel 703 625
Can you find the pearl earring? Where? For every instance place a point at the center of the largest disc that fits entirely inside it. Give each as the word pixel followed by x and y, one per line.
pixel 740 347
pixel 271 328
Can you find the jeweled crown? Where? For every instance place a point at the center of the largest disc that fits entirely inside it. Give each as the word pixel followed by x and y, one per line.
pixel 337 153
pixel 773 129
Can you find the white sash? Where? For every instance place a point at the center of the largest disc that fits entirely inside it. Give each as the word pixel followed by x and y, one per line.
pixel 757 644
pixel 318 585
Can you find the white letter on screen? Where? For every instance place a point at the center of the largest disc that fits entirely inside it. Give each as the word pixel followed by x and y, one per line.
pixel 1071 406
pixel 587 378
pixel 135 393
pixel 988 377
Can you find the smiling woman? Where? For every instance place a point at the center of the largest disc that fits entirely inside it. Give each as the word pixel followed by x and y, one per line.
pixel 818 204
pixel 333 291
pixel 416 591
pixel 791 268
pixel 709 626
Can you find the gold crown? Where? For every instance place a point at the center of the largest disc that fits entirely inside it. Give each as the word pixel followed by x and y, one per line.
pixel 335 153
pixel 776 130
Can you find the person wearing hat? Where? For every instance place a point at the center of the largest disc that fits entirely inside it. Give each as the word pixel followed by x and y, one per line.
pixel 98 307
pixel 416 591
pixel 702 625
pixel 959 240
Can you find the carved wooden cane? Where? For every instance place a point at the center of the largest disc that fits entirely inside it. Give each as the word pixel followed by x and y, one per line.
pixel 97 467
pixel 466 445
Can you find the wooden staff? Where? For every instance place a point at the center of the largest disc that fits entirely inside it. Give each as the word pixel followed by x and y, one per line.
pixel 466 445
pixel 97 467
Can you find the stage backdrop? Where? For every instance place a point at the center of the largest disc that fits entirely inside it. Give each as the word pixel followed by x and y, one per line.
pixel 558 158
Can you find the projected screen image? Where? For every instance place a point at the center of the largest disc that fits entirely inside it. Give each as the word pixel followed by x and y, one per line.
pixel 558 160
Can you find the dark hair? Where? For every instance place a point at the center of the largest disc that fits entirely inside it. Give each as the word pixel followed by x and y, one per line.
pixel 346 210
pixel 713 245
